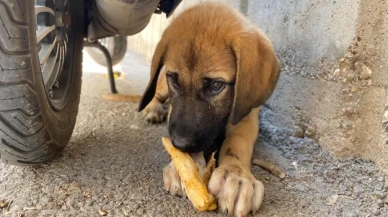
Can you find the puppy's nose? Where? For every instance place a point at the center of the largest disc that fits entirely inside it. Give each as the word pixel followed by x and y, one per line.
pixel 184 144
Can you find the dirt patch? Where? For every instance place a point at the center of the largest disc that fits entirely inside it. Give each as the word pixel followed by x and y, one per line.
pixel 325 185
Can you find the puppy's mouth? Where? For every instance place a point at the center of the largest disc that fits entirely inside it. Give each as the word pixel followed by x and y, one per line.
pixel 199 158
pixel 200 154
pixel 191 149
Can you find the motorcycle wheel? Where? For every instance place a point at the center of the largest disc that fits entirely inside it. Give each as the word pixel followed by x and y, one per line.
pixel 117 47
pixel 40 77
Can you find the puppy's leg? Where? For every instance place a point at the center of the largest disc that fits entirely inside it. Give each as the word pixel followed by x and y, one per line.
pixel 237 190
pixel 155 112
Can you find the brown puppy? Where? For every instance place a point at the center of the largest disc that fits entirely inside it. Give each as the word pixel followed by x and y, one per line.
pixel 216 69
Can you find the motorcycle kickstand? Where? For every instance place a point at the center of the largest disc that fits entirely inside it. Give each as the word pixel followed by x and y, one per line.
pixel 109 64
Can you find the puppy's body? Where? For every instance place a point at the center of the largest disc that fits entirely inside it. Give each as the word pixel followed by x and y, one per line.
pixel 216 69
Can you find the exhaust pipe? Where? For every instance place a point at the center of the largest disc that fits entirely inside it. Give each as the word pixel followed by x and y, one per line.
pixel 120 17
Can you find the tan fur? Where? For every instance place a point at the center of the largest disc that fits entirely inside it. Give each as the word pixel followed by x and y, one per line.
pixel 155 112
pixel 240 53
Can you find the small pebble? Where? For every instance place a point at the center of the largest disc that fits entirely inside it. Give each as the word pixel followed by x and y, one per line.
pixel 102 212
pixel 333 199
pixel 380 203
pixel 310 132
pixel 336 72
pixel 3 203
pixel 386 115
pixel 379 186
pixel 365 72
pixel 140 211
pixel 295 165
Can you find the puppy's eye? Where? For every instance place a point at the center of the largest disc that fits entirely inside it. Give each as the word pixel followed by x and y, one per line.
pixel 217 86
pixel 173 77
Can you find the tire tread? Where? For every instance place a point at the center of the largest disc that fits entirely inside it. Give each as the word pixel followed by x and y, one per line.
pixel 23 136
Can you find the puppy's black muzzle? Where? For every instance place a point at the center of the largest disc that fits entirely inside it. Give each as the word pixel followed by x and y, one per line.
pixel 184 137
pixel 185 144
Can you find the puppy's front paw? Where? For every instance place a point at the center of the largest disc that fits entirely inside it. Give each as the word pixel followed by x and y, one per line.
pixel 154 112
pixel 172 181
pixel 237 190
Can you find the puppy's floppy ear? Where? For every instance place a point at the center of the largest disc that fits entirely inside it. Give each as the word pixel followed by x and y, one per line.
pixel 257 72
pixel 156 65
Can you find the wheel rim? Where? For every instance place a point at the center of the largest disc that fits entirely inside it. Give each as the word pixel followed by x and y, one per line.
pixel 53 37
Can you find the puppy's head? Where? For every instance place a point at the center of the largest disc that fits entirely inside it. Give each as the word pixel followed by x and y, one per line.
pixel 218 67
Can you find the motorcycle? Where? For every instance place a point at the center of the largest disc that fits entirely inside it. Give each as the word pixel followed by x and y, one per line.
pixel 41 43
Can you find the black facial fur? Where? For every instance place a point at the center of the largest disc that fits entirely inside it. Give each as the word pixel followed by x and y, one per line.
pixel 199 115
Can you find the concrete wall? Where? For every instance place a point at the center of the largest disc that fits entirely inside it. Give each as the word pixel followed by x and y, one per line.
pixel 334 80
pixel 146 41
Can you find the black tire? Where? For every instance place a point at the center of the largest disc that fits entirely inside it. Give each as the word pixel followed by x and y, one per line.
pixel 117 47
pixel 32 129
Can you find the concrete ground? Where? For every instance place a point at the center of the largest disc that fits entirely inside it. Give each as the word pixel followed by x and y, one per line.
pixel 114 163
